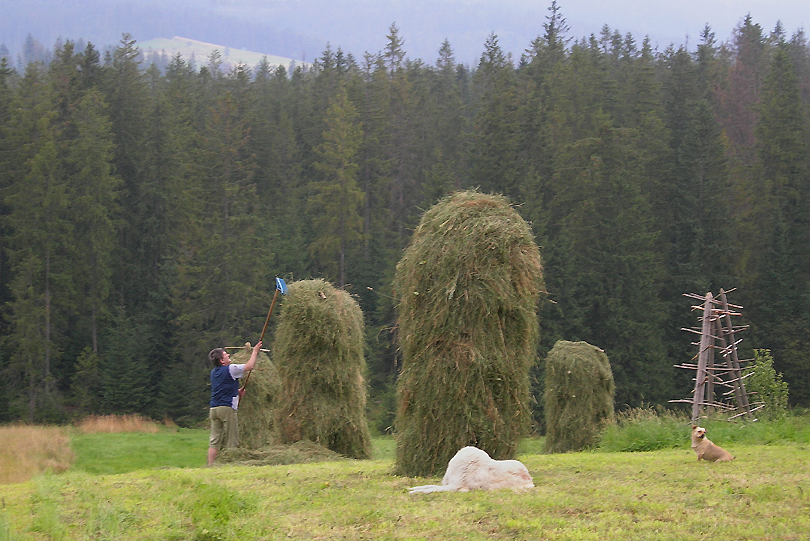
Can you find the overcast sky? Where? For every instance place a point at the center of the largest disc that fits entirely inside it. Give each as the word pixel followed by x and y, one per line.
pixel 360 26
pixel 518 22
pixel 671 21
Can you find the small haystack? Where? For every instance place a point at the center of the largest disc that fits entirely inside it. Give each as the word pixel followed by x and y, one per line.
pixel 578 396
pixel 256 418
pixel 468 286
pixel 318 351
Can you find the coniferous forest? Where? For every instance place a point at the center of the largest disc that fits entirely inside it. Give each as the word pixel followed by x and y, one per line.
pixel 145 209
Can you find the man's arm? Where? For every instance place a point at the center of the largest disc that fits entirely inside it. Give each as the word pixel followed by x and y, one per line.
pixel 252 362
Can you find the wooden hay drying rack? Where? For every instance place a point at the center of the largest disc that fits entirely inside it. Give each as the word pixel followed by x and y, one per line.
pixel 718 333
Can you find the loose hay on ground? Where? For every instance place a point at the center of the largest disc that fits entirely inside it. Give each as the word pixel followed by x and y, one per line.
pixel 301 452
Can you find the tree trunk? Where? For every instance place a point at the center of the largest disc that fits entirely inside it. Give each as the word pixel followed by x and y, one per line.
pixel 47 324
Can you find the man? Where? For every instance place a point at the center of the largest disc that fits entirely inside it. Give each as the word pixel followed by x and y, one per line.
pixel 225 395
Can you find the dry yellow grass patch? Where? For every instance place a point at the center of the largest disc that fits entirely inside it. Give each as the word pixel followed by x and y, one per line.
pixel 117 423
pixel 28 450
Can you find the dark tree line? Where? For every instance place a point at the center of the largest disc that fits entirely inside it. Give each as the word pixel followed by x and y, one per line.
pixel 145 211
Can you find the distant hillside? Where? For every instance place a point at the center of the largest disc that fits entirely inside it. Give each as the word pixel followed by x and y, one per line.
pixel 199 52
pixel 102 22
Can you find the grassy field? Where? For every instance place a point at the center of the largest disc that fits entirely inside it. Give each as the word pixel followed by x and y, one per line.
pixel 106 454
pixel 665 494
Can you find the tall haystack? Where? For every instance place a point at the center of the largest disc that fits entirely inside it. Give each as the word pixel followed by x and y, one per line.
pixel 256 416
pixel 318 352
pixel 468 286
pixel 578 396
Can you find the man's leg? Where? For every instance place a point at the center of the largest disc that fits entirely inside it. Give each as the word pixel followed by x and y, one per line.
pixel 231 429
pixel 217 434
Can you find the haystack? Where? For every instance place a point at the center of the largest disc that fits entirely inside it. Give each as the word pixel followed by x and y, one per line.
pixel 468 286
pixel 318 351
pixel 578 397
pixel 256 417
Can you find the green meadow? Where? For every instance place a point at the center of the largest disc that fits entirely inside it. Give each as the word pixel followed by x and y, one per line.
pixel 154 486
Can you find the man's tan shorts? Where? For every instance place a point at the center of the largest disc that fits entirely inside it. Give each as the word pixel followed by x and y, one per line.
pixel 224 427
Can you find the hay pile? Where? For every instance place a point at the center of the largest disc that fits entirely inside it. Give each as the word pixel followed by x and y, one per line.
pixel 256 416
pixel 468 286
pixel 302 452
pixel 318 351
pixel 578 396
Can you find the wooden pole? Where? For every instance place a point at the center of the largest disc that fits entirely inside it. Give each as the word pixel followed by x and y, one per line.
pixel 266 321
pixel 735 360
pixel 735 376
pixel 710 375
pixel 261 338
pixel 703 357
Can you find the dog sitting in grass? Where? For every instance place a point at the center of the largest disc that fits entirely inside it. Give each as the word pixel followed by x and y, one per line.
pixel 705 449
pixel 473 469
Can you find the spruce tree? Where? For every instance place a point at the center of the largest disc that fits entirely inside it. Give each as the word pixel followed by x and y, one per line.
pixel 781 211
pixel 38 244
pixel 221 274
pixel 125 90
pixel 400 150
pixel 379 241
pixel 603 269
pixel 541 66
pixel 495 143
pixel 737 96
pixel 692 199
pixel 93 206
pixel 337 199
pixel 448 128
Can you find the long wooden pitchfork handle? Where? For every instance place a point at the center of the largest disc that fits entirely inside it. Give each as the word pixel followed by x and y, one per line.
pixel 266 321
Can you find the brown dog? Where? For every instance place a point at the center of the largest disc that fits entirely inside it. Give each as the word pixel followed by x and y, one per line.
pixel 705 449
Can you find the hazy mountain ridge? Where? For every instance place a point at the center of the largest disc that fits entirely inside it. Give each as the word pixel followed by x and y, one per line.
pixel 162 50
pixel 103 23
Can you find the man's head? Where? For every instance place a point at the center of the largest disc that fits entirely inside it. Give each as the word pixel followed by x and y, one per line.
pixel 219 357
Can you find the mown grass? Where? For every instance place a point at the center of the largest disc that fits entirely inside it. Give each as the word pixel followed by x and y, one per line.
pixel 665 494
pixel 105 453
pixel 764 494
